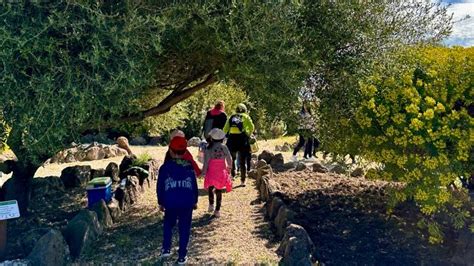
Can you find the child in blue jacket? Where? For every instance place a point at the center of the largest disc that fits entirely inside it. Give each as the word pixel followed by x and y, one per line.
pixel 177 196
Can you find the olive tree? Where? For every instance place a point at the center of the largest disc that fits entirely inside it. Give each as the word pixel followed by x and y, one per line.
pixel 68 66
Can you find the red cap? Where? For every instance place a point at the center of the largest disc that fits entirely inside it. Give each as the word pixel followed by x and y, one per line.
pixel 178 143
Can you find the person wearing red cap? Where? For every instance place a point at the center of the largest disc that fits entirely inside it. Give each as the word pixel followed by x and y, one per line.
pixel 177 193
pixel 187 155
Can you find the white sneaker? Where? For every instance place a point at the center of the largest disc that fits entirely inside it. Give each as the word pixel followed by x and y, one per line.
pixel 294 158
pixel 310 159
pixel 165 254
pixel 217 214
pixel 182 261
pixel 211 208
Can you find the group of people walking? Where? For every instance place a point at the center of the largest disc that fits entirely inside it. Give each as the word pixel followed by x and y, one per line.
pixel 177 189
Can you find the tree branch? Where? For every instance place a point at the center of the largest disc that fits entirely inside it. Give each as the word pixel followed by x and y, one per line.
pixel 172 99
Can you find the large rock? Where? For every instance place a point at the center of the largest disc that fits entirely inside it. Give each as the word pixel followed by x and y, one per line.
pixel 264 171
pixel 126 163
pixel 464 253
pixel 267 188
pixel 289 165
pixel 264 188
pixel 283 218
pixel 152 167
pixel 109 152
pixel 277 161
pixel 319 168
pixel 253 163
pixel 358 172
pixel 119 151
pixel 273 207
pixel 28 240
pixel 266 156
pixel 142 174
pixel 70 158
pixel 138 141
pixel 112 170
pixel 296 246
pixel 301 167
pixel 114 210
pixel 194 142
pixel 132 188
pixel 82 231
pixel 261 163
pixel 286 147
pixel 80 156
pixel 103 213
pixel 252 174
pixel 97 173
pixel 76 176
pixel 123 198
pixel 338 169
pixel 46 187
pixel 51 249
pixel 94 153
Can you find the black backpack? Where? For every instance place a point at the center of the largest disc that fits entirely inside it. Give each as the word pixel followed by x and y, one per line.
pixel 237 121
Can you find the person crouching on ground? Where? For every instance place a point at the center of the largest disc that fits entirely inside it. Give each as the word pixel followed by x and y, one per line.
pixel 177 193
pixel 187 155
pixel 216 169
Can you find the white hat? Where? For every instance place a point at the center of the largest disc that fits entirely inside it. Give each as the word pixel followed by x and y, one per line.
pixel 217 134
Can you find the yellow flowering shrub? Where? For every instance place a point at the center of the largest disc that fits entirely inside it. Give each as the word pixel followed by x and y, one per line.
pixel 418 123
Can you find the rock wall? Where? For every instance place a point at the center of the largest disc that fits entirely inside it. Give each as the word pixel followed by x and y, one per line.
pixel 87 152
pixel 296 246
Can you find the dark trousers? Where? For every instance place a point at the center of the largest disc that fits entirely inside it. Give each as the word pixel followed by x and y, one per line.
pixel 249 162
pixel 184 217
pixel 316 145
pixel 218 196
pixel 308 150
pixel 243 155
pixel 239 143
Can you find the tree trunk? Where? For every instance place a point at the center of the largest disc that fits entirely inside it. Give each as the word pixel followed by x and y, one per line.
pixel 18 187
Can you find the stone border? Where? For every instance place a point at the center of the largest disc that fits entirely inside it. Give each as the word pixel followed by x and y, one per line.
pixel 296 246
pixel 57 248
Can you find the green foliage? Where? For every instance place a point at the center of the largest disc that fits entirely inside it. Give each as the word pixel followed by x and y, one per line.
pixel 416 122
pixel 347 48
pixel 76 65
pixel 142 159
pixel 66 67
pixel 195 107
pixel 4 129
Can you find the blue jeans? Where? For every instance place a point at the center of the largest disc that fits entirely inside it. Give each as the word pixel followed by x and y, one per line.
pixel 184 217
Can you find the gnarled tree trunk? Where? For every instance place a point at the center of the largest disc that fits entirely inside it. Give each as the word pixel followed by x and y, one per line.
pixel 18 187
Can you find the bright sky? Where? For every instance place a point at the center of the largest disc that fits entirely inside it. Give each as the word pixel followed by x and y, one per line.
pixel 463 29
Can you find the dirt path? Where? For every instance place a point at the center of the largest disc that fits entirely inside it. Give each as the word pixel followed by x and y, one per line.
pixel 239 236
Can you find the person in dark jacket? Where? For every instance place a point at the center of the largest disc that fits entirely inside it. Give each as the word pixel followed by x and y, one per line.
pixel 215 118
pixel 177 193
pixel 306 128
pixel 238 128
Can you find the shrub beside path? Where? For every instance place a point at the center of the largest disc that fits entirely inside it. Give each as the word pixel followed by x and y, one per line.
pixel 239 236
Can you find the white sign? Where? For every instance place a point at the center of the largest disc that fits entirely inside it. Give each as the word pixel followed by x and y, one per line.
pixel 9 210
